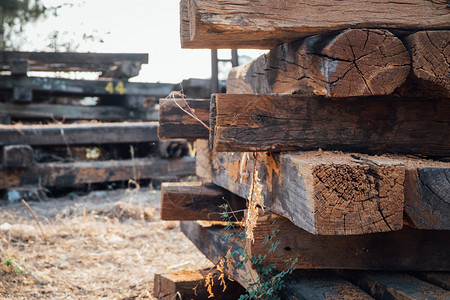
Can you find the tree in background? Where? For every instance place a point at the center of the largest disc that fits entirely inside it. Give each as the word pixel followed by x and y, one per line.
pixel 14 14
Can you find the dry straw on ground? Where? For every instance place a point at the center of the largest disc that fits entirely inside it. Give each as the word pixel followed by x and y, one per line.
pixel 105 245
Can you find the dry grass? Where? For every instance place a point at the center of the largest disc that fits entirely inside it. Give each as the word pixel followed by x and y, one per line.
pixel 105 245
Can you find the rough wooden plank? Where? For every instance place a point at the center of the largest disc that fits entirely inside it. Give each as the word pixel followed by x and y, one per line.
pixel 427 196
pixel 407 249
pixel 113 64
pixel 384 285
pixel 355 62
pixel 78 134
pixel 440 279
pixel 73 112
pixel 176 123
pixel 18 156
pixel 322 192
pixel 430 52
pixel 286 122
pixel 198 201
pixel 190 284
pixel 316 285
pixel 63 174
pixel 87 87
pixel 263 24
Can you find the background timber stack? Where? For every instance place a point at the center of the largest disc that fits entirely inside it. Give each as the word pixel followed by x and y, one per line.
pixel 341 132
pixel 60 132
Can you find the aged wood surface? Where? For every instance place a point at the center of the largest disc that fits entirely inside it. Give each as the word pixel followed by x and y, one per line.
pixel 440 279
pixel 63 174
pixel 264 24
pixel 384 285
pixel 430 52
pixel 371 125
pixel 321 192
pixel 116 64
pixel 79 134
pixel 176 123
pixel 73 112
pixel 190 284
pixel 17 156
pixel 87 87
pixel 427 196
pixel 355 62
pixel 199 201
pixel 407 249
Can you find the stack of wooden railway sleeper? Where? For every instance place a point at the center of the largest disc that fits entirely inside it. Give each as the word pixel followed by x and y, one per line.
pixel 63 132
pixel 334 147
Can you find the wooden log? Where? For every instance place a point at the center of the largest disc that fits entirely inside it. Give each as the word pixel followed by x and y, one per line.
pixel 430 53
pixel 176 123
pixel 78 134
pixel 321 192
pixel 427 196
pixel 199 201
pixel 18 66
pixel 65 174
pixel 127 64
pixel 440 279
pixel 355 62
pixel 173 148
pixel 383 285
pixel 18 156
pixel 73 112
pixel 407 249
pixel 87 87
pixel 371 125
pixel 190 284
pixel 263 24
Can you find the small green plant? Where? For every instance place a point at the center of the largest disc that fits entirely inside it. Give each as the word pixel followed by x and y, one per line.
pixel 270 281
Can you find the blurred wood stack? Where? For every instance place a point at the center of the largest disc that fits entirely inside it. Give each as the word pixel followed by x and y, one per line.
pixel 65 132
pixel 341 131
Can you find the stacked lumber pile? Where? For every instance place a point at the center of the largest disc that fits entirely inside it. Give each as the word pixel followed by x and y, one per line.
pixel 334 146
pixel 66 132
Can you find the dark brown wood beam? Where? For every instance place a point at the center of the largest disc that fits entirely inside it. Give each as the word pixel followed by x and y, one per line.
pixel 199 201
pixel 371 125
pixel 66 174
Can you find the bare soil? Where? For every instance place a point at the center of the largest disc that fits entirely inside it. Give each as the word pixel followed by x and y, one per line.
pixel 108 244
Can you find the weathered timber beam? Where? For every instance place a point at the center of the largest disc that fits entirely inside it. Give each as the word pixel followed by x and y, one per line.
pixel 176 123
pixel 355 62
pixel 286 122
pixel 64 174
pixel 407 249
pixel 78 134
pixel 190 284
pixel 87 87
pixel 430 52
pixel 386 285
pixel 439 279
pixel 321 192
pixel 72 58
pixel 112 64
pixel 17 156
pixel 263 24
pixel 212 243
pixel 73 112
pixel 199 201
pixel 427 196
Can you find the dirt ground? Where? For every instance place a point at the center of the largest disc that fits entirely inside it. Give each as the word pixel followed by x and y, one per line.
pixel 107 244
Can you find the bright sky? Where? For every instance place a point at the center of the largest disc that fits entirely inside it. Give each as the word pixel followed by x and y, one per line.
pixel 135 26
